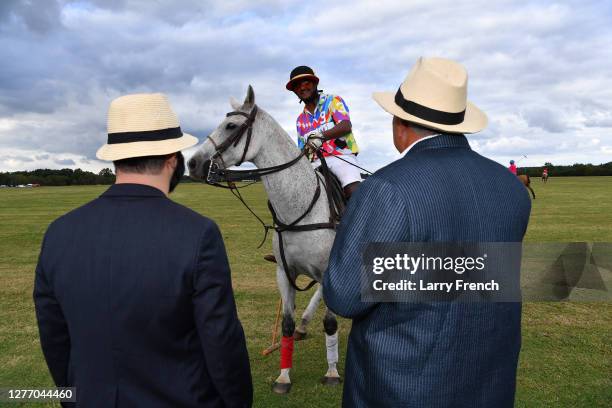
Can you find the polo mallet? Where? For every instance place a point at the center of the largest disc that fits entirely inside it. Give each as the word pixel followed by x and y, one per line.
pixel 275 345
pixel 524 157
pixel 517 162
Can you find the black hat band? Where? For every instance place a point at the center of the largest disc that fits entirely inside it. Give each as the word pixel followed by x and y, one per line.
pixel 145 136
pixel 428 114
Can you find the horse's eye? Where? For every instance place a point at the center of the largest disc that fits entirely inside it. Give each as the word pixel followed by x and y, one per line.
pixel 230 126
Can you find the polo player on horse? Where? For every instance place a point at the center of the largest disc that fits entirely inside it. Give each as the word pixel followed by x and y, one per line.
pixel 324 126
pixel 325 123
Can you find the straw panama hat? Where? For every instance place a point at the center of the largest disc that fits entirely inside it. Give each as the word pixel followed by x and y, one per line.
pixel 143 125
pixel 434 95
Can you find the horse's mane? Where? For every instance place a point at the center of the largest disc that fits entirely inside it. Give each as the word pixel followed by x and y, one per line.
pixel 275 122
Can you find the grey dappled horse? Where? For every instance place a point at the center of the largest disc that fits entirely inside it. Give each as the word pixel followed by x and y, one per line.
pixel 290 192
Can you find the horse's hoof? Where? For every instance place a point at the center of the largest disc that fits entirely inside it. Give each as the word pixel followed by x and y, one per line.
pixel 331 381
pixel 281 388
pixel 298 335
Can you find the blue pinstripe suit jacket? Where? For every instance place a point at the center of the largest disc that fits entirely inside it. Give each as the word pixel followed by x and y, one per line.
pixel 429 354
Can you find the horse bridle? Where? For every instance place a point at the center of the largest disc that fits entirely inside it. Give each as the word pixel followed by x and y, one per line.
pixel 234 139
pixel 216 174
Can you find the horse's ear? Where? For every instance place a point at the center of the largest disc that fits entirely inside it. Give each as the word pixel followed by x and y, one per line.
pixel 249 101
pixel 234 103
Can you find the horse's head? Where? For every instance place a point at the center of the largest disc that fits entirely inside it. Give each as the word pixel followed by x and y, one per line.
pixel 229 144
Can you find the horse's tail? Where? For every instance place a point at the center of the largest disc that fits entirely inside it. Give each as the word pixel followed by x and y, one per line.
pixel 532 192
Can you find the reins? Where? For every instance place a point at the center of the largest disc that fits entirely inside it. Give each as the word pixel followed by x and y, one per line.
pixel 215 173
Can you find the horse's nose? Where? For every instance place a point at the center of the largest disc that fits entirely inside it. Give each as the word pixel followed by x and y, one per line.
pixel 192 164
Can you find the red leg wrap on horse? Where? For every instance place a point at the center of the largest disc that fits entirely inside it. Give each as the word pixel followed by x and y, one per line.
pixel 286 352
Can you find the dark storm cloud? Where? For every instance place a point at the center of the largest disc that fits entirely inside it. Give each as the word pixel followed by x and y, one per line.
pixel 127 47
pixel 36 16
pixel 6 9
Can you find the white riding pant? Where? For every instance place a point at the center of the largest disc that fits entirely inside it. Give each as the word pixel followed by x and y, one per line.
pixel 346 172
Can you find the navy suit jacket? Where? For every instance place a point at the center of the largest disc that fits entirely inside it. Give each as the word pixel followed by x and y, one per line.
pixel 440 354
pixel 135 306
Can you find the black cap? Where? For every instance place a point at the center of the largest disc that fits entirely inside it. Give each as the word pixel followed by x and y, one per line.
pixel 301 72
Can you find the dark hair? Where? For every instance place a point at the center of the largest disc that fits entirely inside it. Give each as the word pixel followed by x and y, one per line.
pixel 142 165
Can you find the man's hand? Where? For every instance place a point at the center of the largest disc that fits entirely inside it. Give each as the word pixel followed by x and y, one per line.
pixel 314 140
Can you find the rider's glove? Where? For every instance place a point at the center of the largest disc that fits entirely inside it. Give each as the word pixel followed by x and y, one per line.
pixel 314 140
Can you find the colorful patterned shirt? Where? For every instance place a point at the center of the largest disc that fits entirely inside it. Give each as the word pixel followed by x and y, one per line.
pixel 330 110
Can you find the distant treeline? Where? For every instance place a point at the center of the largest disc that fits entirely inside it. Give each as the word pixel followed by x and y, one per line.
pixel 63 177
pixel 69 177
pixel 577 169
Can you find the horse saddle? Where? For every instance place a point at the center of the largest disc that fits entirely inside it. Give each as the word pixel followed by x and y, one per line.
pixel 337 203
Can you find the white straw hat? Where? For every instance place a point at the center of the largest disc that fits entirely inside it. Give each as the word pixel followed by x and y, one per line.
pixel 434 95
pixel 143 125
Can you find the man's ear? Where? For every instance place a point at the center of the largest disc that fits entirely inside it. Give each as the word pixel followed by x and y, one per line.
pixel 401 138
pixel 172 161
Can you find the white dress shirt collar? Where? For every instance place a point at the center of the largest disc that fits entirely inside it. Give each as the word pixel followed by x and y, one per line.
pixel 402 154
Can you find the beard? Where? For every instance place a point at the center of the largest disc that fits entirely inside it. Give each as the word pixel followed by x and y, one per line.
pixel 179 171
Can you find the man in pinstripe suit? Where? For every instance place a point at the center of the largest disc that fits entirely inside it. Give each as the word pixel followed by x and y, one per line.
pixel 436 354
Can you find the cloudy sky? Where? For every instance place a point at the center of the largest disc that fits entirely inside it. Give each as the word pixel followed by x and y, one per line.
pixel 542 71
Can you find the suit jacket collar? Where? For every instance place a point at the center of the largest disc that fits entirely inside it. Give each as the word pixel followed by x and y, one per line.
pixel 133 190
pixel 443 140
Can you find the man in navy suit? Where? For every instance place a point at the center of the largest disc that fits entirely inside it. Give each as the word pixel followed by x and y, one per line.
pixel 429 354
pixel 133 292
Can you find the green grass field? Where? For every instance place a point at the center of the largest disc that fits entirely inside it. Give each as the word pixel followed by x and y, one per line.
pixel 567 347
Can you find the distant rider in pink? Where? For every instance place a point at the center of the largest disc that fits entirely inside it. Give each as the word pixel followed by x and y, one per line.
pixel 512 167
